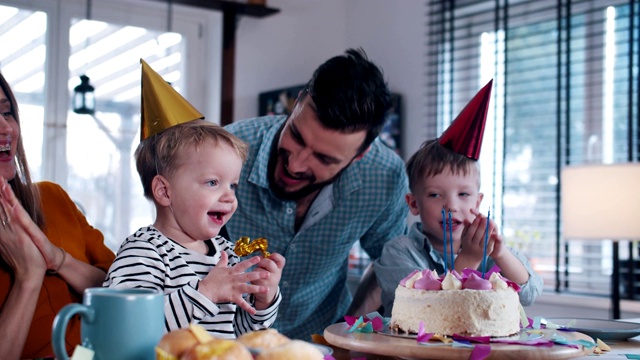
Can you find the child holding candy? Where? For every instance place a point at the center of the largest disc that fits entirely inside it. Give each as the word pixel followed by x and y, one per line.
pixel 190 170
pixel 444 180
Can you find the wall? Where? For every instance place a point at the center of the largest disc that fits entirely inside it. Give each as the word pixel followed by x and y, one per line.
pixel 393 34
pixel 283 50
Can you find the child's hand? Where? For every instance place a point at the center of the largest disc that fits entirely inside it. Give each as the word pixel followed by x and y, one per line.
pixel 227 284
pixel 499 247
pixel 472 241
pixel 272 266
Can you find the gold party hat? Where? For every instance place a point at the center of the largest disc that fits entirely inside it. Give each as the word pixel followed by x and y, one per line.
pixel 161 106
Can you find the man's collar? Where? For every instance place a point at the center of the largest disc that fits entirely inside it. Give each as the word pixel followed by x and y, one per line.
pixel 259 172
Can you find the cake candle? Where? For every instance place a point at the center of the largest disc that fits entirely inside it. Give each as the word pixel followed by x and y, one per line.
pixel 451 240
pixel 486 240
pixel 444 238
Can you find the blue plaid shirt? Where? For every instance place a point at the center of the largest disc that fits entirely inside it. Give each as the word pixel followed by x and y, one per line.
pixel 365 203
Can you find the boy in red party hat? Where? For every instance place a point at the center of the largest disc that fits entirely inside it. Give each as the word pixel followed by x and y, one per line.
pixel 444 180
pixel 189 169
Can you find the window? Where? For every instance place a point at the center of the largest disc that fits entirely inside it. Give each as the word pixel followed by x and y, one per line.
pixel 106 183
pixel 565 92
pixel 48 44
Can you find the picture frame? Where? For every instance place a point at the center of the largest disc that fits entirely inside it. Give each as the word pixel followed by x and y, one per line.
pixel 278 101
pixel 391 134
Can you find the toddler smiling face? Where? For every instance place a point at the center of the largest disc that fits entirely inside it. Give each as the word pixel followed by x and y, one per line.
pixel 202 192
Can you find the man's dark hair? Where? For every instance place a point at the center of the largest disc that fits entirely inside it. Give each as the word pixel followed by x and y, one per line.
pixel 350 94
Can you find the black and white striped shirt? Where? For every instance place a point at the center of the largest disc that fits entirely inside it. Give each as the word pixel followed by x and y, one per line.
pixel 148 259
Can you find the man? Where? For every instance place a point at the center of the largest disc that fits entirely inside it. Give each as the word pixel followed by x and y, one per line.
pixel 316 182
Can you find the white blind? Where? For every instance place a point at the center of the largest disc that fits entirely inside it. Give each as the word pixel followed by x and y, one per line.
pixel 565 92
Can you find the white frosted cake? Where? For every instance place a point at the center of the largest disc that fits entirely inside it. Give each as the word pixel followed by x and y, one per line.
pixel 453 304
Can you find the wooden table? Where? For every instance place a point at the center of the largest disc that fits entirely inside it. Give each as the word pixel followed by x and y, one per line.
pixel 618 352
pixel 377 346
pixel 621 348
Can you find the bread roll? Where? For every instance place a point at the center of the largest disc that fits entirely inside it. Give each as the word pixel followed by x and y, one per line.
pixel 218 349
pixel 292 350
pixel 175 343
pixel 263 339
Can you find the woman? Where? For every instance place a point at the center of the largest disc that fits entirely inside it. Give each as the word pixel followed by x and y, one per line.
pixel 48 252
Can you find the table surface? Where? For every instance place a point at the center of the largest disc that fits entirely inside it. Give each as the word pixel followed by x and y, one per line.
pixel 341 345
pixel 621 348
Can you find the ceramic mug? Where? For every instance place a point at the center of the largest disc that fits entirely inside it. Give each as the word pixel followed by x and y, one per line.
pixel 123 324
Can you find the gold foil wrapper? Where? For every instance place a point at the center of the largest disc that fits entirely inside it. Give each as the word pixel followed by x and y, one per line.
pixel 245 246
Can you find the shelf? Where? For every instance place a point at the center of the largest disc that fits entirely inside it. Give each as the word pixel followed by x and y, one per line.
pixel 238 8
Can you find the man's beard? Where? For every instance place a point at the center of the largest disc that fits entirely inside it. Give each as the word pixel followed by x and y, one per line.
pixel 279 190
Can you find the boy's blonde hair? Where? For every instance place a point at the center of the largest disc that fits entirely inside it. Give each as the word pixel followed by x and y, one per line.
pixel 160 154
pixel 432 159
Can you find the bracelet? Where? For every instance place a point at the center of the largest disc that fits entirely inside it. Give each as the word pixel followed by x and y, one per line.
pixel 64 257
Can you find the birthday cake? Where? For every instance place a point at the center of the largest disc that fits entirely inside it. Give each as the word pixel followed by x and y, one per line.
pixel 464 304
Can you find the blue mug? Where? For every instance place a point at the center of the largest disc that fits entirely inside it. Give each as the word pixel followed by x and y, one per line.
pixel 123 324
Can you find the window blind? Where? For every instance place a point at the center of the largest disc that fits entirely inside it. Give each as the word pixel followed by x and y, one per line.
pixel 565 92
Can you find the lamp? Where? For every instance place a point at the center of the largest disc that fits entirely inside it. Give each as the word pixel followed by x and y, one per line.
pixel 84 97
pixel 84 101
pixel 602 202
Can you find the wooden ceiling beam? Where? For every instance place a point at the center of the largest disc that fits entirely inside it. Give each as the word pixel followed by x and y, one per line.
pixel 240 8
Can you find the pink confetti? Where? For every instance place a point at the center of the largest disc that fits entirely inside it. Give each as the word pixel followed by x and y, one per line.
pixel 377 323
pixel 350 320
pixel 422 336
pixel 364 324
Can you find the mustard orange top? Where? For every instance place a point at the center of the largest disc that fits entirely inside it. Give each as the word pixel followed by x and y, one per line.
pixel 66 227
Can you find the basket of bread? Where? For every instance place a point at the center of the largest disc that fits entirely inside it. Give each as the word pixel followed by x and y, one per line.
pixel 195 343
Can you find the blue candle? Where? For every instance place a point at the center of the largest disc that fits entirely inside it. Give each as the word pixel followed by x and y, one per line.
pixel 444 239
pixel 451 240
pixel 486 239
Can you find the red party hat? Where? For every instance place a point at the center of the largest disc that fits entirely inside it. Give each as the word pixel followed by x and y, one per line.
pixel 464 135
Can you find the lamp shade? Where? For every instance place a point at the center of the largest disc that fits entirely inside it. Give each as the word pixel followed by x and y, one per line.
pixel 601 202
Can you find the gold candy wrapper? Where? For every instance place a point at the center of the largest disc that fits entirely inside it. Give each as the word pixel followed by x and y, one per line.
pixel 244 246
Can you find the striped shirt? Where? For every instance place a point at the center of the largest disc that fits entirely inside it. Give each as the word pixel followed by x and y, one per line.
pixel 148 259
pixel 365 203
